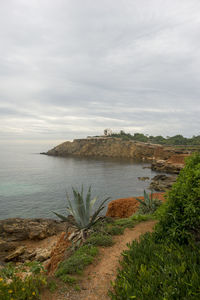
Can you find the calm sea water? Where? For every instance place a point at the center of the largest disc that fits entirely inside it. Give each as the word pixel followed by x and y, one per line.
pixel 34 185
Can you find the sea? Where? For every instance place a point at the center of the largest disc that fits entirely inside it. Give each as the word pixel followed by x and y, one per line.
pixel 34 185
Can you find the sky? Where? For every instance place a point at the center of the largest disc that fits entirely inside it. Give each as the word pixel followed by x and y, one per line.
pixel 71 68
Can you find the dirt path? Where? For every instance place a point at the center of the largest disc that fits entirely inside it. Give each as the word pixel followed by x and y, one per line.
pixel 97 277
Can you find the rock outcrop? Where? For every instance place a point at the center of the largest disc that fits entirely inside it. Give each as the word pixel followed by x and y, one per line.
pixel 18 229
pixel 126 207
pixel 174 164
pixel 16 232
pixel 122 208
pixel 112 147
pixel 162 182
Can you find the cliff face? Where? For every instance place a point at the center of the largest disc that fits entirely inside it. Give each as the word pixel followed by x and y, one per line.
pixel 112 147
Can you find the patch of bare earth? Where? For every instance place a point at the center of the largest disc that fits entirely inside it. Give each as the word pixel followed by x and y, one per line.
pixel 96 279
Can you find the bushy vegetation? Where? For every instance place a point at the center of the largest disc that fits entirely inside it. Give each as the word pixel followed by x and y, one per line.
pixel 174 140
pixel 102 234
pixel 115 230
pixel 99 239
pixel 166 264
pixel 180 221
pixel 149 204
pixel 21 282
pixel 76 263
pixel 158 271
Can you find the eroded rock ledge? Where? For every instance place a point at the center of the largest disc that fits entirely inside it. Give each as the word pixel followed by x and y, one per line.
pixel 22 239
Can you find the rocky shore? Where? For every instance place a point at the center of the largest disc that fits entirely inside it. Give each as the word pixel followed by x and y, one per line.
pixel 33 239
pixel 162 182
pixel 29 239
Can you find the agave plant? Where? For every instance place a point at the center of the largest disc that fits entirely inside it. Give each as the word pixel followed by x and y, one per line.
pixel 82 209
pixel 149 204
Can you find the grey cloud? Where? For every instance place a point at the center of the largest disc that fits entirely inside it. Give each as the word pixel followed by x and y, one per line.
pixel 71 68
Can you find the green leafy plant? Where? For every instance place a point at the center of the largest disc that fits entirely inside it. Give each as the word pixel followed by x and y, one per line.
pixel 51 285
pixel 82 209
pixel 76 263
pixel 158 271
pixel 149 205
pixel 100 239
pixel 68 279
pixel 165 264
pixel 115 230
pixel 180 220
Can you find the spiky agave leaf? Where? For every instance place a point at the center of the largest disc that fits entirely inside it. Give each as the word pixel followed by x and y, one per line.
pixel 146 198
pixel 141 201
pixel 81 210
pixel 72 211
pixel 88 201
pixel 94 216
pixel 63 218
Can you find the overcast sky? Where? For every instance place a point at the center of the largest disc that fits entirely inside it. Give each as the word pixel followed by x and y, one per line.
pixel 71 68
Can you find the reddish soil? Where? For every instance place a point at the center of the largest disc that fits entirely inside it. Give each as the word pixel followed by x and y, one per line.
pixel 178 159
pixel 96 279
pixel 125 207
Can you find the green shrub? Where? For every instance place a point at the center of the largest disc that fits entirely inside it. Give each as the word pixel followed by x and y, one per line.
pixel 14 287
pixel 99 239
pixel 137 218
pixel 115 230
pixel 158 271
pixel 180 220
pixel 125 222
pixel 52 286
pixel 68 279
pixel 79 259
pixel 166 264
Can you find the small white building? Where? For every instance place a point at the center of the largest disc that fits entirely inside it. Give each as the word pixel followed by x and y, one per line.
pixel 107 131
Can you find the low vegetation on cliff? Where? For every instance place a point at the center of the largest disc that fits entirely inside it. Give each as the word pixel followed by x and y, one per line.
pixel 166 264
pixel 174 140
pixel 101 236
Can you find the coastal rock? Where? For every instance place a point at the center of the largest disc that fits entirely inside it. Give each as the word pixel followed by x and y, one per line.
pixel 164 166
pixel 162 182
pixel 111 147
pixel 122 208
pixel 42 254
pixel 126 207
pixel 31 233
pixel 7 246
pixel 18 229
pixel 19 251
pixel 118 148
pixel 143 178
pixel 173 164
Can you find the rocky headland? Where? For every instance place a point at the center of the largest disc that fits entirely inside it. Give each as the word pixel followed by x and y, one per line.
pixel 115 148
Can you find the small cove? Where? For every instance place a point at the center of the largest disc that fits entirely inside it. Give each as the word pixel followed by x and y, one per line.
pixel 34 185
